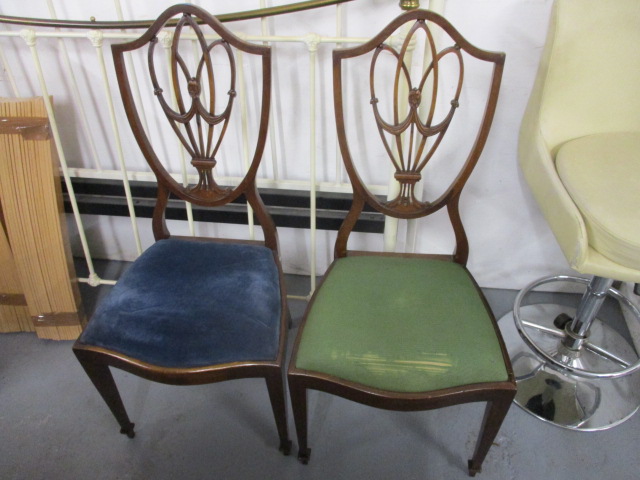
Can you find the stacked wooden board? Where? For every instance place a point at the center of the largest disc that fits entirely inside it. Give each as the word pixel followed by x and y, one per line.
pixel 35 257
pixel 14 314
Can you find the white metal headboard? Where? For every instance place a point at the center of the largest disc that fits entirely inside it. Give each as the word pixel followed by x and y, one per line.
pixel 88 84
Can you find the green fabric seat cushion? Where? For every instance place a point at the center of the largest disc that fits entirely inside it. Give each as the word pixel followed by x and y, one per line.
pixel 401 325
pixel 601 172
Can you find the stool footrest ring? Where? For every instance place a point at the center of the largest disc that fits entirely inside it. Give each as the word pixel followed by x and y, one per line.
pixel 561 361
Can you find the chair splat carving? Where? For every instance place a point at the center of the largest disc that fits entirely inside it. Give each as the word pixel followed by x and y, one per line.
pixel 409 168
pixel 196 94
pixel 419 118
pixel 202 150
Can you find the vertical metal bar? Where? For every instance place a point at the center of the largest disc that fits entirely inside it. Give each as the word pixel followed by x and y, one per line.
pixel 77 97
pixel 272 124
pixel 437 6
pixel 339 34
pixel 7 68
pixel 166 40
pixel 29 37
pixel 96 38
pixel 390 235
pixel 312 41
pixel 132 73
pixel 244 119
pixel 577 332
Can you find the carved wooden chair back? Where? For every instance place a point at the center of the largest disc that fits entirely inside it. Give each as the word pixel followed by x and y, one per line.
pixel 198 114
pixel 414 132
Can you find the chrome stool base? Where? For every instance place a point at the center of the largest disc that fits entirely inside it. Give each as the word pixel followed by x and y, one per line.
pixel 559 396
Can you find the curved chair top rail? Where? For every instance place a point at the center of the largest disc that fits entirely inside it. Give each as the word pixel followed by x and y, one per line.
pixel 409 162
pixel 131 24
pixel 200 129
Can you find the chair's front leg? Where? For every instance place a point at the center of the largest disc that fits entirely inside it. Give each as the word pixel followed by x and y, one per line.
pixel 299 407
pixel 494 414
pixel 102 379
pixel 275 385
pixel 289 318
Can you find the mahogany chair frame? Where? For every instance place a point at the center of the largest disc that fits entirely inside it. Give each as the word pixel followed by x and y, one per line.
pixel 498 395
pixel 96 361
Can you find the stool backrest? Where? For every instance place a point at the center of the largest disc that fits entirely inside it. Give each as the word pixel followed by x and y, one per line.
pixel 589 74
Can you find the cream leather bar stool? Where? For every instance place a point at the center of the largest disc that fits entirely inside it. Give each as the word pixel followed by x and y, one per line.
pixel 580 154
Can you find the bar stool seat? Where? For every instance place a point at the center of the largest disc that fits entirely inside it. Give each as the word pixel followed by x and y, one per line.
pixel 601 173
pixel 575 363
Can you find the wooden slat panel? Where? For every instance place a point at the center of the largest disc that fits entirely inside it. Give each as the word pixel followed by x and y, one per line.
pixel 13 318
pixel 32 205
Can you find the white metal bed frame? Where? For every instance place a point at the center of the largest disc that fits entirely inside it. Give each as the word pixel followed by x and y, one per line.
pixel 311 41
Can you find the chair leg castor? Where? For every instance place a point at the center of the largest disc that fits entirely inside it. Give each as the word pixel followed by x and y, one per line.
pixel 128 431
pixel 304 455
pixel 285 447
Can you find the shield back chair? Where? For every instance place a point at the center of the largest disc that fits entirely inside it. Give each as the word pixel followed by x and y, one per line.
pixel 402 331
pixel 194 310
pixel 579 150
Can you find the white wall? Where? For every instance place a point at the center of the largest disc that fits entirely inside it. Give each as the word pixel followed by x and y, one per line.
pixel 510 241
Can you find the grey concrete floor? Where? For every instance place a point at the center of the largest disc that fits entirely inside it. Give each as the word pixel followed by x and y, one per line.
pixel 53 425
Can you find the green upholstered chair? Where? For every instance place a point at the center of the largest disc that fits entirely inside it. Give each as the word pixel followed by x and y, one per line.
pixel 192 310
pixel 579 151
pixel 406 331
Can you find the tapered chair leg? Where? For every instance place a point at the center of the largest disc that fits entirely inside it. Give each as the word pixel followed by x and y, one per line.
pixel 495 413
pixel 275 385
pixel 289 318
pixel 299 407
pixel 102 379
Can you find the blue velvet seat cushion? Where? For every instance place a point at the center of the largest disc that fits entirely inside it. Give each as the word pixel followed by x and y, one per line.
pixel 189 304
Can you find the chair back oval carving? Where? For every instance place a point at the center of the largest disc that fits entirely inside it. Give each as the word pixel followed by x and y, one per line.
pixel 415 130
pixel 189 99
pixel 198 140
pixel 409 168
pixel 194 105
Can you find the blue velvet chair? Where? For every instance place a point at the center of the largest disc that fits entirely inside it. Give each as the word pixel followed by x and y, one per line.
pixel 193 310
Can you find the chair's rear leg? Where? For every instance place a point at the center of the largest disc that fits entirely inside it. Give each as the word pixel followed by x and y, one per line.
pixel 289 318
pixel 102 379
pixel 275 385
pixel 494 414
pixel 299 407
